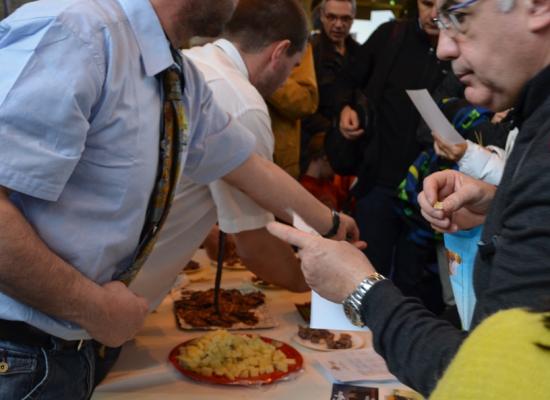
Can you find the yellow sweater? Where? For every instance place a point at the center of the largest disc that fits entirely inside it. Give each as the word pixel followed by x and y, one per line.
pixel 500 361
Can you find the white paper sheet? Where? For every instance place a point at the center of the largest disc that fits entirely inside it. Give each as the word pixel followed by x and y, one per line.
pixel 324 314
pixel 328 315
pixel 354 366
pixel 434 116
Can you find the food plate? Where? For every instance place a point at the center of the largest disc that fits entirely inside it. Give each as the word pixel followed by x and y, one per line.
pixel 357 341
pixel 289 352
pixel 182 306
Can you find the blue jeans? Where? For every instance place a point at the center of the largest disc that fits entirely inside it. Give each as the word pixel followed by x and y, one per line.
pixel 52 373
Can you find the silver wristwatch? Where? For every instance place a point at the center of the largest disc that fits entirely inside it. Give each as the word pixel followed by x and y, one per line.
pixel 352 304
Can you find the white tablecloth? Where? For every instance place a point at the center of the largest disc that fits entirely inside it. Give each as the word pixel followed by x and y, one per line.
pixel 143 372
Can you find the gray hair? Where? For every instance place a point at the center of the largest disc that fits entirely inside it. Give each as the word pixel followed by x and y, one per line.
pixel 353 4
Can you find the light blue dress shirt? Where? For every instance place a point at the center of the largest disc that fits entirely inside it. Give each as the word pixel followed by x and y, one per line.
pixel 79 131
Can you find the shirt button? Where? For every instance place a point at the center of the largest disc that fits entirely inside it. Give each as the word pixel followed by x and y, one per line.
pixel 4 367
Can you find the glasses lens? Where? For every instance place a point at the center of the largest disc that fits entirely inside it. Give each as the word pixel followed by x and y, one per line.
pixel 346 19
pixel 445 22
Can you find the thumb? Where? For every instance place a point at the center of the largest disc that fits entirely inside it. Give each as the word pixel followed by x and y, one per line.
pixel 455 201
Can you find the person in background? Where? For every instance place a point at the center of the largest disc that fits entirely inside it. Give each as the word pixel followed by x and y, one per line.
pixel 333 50
pixel 319 178
pixel 81 147
pixel 294 100
pixel 488 42
pixel 376 141
pixel 259 47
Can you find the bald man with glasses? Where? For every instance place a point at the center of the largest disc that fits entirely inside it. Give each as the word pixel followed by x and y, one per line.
pixel 499 50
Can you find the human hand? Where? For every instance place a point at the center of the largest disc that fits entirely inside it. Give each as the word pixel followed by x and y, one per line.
pixel 499 116
pixel 462 201
pixel 453 152
pixel 119 316
pixel 332 268
pixel 349 124
pixel 348 230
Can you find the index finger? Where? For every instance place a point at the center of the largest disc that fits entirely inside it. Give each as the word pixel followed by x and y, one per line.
pixel 289 234
pixel 438 185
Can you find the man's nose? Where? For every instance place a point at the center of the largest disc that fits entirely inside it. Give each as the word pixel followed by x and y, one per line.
pixel 447 48
pixel 433 12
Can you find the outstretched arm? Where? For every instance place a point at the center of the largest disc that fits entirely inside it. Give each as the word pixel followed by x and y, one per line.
pixel 276 191
pixel 416 345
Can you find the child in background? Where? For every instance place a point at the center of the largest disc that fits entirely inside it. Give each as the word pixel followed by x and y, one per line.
pixel 321 181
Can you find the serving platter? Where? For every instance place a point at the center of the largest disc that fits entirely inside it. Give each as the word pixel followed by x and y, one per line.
pixel 262 379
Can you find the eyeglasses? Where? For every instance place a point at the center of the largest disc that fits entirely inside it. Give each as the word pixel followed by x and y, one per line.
pixel 345 19
pixel 452 19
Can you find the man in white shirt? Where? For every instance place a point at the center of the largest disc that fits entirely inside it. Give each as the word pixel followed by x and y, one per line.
pixel 261 44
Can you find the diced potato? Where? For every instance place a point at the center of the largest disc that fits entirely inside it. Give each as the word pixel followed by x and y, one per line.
pixel 224 354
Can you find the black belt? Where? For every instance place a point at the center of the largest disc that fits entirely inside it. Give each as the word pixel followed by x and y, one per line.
pixel 23 333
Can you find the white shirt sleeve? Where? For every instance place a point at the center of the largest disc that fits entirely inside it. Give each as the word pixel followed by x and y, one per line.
pixel 236 211
pixel 484 163
pixel 218 143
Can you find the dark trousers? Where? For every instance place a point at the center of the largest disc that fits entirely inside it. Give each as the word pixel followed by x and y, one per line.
pixel 412 268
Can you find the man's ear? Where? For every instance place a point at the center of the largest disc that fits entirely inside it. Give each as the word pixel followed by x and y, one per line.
pixel 538 14
pixel 280 50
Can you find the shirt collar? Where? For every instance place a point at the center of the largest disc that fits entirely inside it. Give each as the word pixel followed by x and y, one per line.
pixel 532 96
pixel 151 39
pixel 233 53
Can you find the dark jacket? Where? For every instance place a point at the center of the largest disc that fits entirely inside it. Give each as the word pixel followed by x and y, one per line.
pixel 328 66
pixel 511 270
pixel 397 56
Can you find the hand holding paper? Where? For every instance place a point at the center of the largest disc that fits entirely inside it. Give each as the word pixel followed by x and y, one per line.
pixel 434 117
pixel 452 152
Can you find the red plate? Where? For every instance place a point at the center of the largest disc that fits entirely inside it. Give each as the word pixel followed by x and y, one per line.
pixel 289 352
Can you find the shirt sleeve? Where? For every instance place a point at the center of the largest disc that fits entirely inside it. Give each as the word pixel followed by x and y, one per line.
pixel 218 143
pixel 416 345
pixel 482 163
pixel 47 92
pixel 236 211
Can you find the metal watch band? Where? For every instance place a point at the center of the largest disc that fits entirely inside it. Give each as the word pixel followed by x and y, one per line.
pixel 352 304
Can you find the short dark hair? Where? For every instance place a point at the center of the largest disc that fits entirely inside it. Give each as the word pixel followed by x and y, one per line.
pixel 258 23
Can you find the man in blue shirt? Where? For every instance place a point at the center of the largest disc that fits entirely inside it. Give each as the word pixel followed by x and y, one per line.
pixel 80 111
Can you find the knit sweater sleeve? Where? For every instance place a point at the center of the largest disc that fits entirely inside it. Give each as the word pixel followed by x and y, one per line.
pixel 416 345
